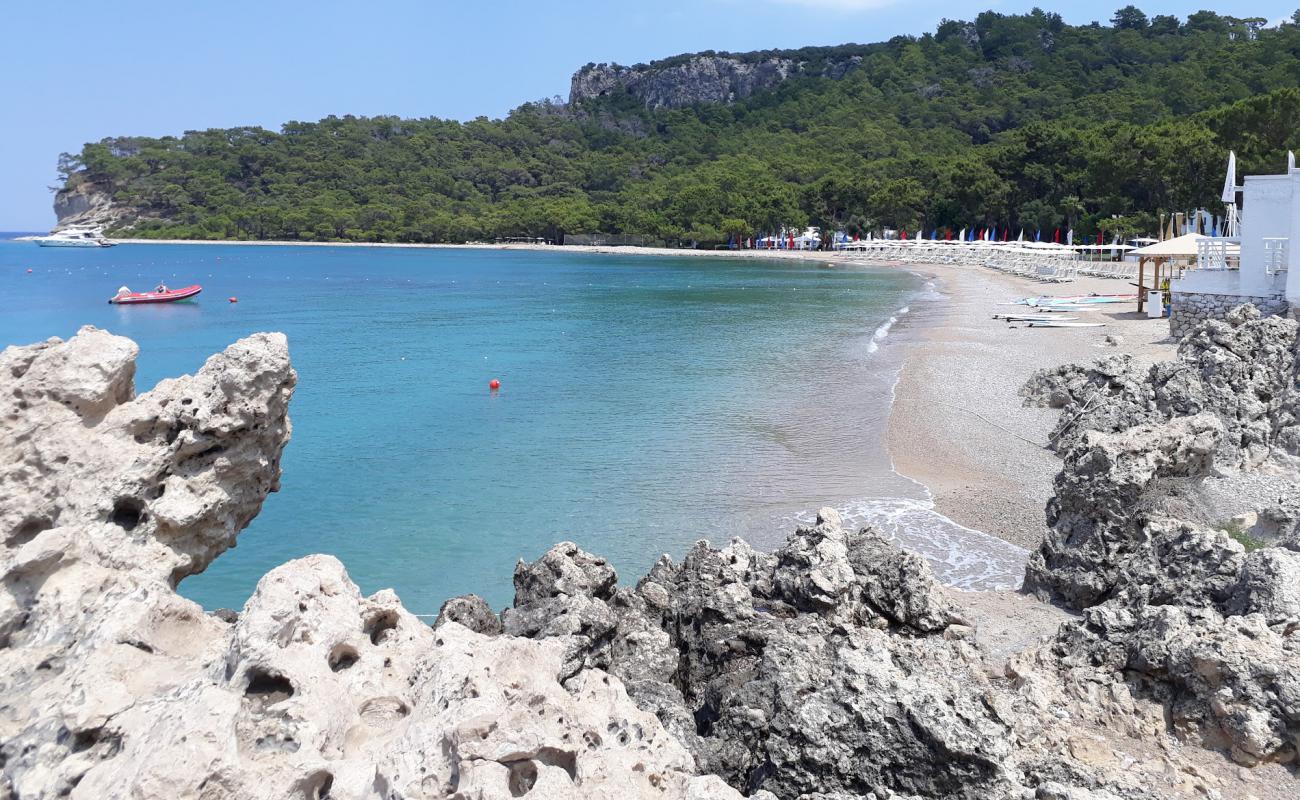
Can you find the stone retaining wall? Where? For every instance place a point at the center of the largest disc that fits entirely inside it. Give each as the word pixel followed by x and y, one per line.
pixel 1192 308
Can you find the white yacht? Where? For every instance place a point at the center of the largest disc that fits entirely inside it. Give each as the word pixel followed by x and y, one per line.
pixel 75 237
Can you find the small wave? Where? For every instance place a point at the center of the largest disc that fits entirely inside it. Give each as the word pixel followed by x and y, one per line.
pixel 961 557
pixel 883 330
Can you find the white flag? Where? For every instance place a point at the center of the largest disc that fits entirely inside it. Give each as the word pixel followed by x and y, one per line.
pixel 1230 182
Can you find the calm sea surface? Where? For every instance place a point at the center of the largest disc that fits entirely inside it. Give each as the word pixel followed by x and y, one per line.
pixel 645 402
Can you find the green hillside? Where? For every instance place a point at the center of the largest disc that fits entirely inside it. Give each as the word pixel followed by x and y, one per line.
pixel 1016 120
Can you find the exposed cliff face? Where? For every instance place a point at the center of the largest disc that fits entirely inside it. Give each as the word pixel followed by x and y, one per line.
pixel 697 79
pixel 85 203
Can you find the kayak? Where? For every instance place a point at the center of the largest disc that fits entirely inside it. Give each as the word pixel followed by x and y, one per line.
pixel 1055 324
pixel 168 296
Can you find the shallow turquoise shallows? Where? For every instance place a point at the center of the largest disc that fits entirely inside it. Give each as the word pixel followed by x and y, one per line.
pixel 645 402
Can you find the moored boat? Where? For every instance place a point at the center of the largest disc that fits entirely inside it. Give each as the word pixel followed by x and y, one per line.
pixel 161 294
pixel 75 237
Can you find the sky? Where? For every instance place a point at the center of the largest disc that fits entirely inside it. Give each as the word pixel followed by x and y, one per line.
pixel 82 70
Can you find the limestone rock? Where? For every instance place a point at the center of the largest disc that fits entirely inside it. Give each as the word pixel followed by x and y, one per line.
pixel 1242 370
pixel 112 685
pixel 691 80
pixel 1108 487
pixel 1183 614
pixel 471 611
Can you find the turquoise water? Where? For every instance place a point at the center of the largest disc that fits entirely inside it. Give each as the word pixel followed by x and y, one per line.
pixel 645 403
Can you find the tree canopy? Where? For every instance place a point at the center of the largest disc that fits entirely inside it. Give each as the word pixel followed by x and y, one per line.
pixel 1009 120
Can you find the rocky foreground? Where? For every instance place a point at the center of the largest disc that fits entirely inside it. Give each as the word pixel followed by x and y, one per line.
pixel 835 668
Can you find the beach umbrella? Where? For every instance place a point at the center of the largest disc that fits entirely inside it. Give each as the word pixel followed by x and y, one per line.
pixel 1038 235
pixel 1230 180
pixel 947 234
pixel 791 241
pixel 1290 161
pixel 902 235
pixel 934 235
pixel 1006 234
pixel 1069 237
pixel 961 237
pixel 1057 237
pixel 1021 238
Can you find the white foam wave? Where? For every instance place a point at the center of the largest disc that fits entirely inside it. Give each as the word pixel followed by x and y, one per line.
pixel 883 330
pixel 961 557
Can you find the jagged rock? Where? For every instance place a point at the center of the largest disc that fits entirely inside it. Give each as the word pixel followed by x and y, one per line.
pixel 1242 370
pixel 1105 493
pixel 1233 682
pixel 1183 614
pixel 817 671
pixel 1269 585
pixel 112 685
pixel 832 668
pixel 471 611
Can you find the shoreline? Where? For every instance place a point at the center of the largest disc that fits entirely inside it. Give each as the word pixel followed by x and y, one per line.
pixel 957 425
pixel 798 255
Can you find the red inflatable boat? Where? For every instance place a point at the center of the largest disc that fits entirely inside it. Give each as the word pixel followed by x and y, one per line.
pixel 161 294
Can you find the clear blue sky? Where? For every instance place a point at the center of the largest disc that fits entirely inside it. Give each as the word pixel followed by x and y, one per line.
pixel 78 71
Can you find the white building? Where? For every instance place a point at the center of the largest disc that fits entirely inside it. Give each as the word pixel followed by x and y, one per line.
pixel 1267 273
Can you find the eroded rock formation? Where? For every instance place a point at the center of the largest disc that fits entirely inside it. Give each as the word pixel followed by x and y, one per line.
pixel 833 669
pixel 112 685
pixel 1183 613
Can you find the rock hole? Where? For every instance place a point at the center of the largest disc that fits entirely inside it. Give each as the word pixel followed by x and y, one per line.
pixel 565 760
pixel 27 530
pixel 592 740
pixel 265 689
pixel 185 401
pixel 84 740
pixel 379 627
pixel 128 512
pixel 383 712
pixel 523 775
pixel 317 786
pixel 342 657
pixel 705 716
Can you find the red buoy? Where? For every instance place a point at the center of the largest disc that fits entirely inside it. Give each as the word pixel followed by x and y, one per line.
pixel 494 384
pixel 29 271
pixel 234 299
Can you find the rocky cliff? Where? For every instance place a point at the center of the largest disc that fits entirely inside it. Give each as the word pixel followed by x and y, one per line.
pixel 689 80
pixel 832 669
pixel 82 202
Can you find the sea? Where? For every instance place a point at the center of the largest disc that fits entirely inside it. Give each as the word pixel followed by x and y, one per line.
pixel 645 402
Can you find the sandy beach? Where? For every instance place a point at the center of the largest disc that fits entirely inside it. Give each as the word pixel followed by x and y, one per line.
pixel 958 424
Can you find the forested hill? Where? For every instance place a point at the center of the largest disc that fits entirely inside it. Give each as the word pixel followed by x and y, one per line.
pixel 1016 120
